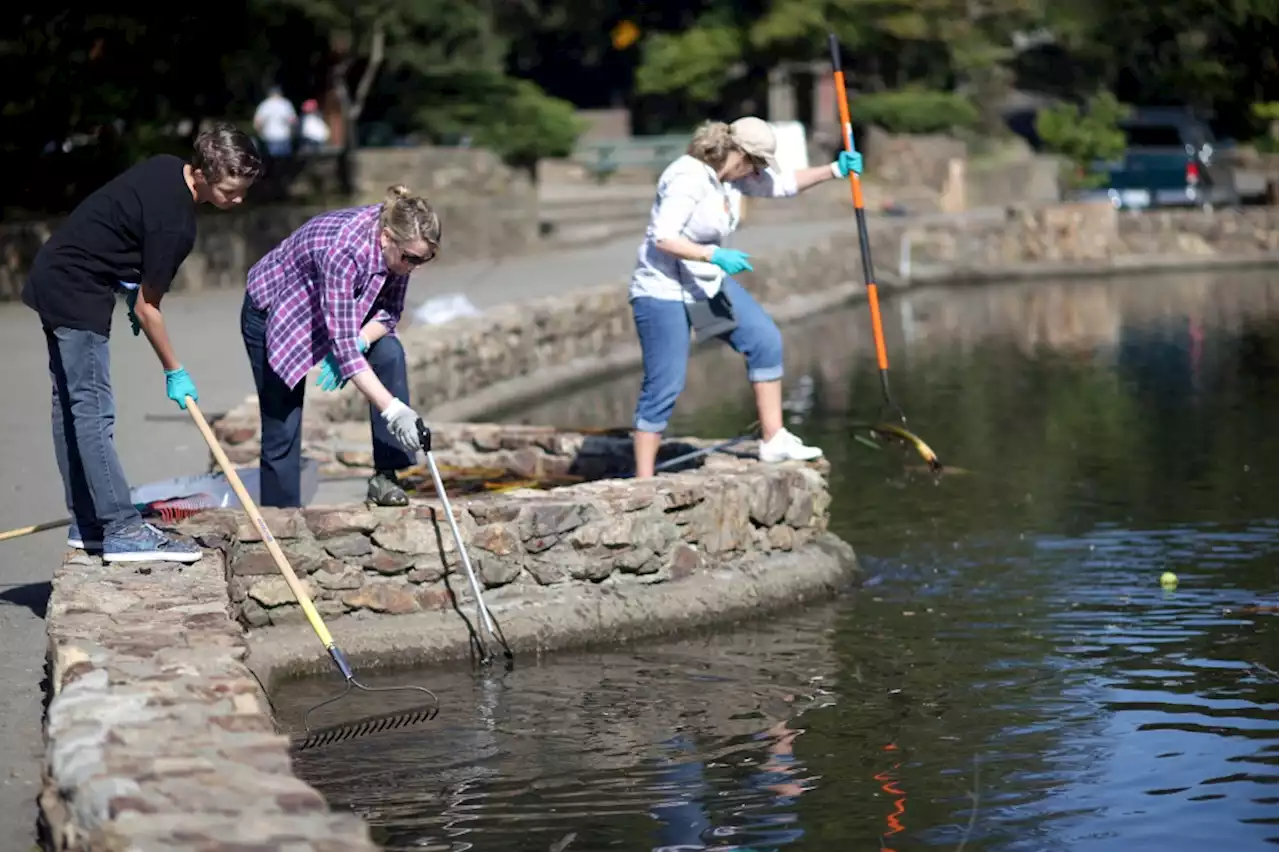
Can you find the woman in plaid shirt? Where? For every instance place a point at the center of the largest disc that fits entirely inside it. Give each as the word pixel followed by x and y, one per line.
pixel 331 294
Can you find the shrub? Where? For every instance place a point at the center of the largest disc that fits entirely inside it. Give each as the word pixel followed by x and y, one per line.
pixel 531 125
pixel 1084 136
pixel 514 118
pixel 1268 142
pixel 915 111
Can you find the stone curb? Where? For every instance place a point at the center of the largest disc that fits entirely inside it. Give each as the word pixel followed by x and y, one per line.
pixel 157 734
pixel 577 616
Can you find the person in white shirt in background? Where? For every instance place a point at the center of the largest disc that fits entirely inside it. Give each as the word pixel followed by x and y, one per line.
pixel 274 121
pixel 682 278
pixel 315 130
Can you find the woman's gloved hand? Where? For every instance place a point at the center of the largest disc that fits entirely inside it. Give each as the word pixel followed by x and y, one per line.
pixel 849 161
pixel 330 378
pixel 731 261
pixel 402 423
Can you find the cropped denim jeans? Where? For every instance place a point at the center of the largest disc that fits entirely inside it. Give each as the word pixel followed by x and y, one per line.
pixel 664 329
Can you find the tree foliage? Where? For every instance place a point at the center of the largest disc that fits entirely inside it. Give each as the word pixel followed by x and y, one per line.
pixel 1213 56
pixel 698 63
pixel 915 111
pixel 1084 136
pixel 109 88
pixel 127 79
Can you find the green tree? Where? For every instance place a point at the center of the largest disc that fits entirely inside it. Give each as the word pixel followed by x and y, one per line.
pixel 438 68
pixel 915 110
pixel 937 44
pixel 1084 136
pixel 516 120
pixel 697 63
pixel 1268 141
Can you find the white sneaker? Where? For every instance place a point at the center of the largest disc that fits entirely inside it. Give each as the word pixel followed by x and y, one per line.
pixel 787 447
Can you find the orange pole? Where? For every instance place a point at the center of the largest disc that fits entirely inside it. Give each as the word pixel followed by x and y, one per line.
pixel 855 186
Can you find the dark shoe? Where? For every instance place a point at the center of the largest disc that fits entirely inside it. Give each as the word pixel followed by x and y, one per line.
pixel 385 490
pixel 145 543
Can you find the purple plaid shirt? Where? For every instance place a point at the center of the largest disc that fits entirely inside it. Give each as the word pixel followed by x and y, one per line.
pixel 320 286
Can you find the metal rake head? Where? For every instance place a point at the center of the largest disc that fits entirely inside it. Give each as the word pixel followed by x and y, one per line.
pixel 364 727
pixel 367 725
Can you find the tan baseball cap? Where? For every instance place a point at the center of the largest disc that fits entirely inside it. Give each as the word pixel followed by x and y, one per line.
pixel 756 138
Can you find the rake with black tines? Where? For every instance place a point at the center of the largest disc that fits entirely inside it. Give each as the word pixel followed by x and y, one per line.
pixel 335 733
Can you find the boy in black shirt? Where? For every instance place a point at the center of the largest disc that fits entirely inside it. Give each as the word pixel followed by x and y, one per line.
pixel 133 232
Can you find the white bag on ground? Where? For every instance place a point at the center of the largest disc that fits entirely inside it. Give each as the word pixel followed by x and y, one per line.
pixel 441 309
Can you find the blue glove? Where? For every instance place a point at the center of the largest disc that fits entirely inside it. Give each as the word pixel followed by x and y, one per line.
pixel 131 299
pixel 849 161
pixel 731 261
pixel 179 386
pixel 330 378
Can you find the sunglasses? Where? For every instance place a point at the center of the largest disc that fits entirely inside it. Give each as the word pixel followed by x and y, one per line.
pixel 417 259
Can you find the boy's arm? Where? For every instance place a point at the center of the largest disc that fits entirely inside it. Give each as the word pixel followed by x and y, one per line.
pixel 147 309
pixel 162 254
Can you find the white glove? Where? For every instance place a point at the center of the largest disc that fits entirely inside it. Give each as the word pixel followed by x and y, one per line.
pixel 402 421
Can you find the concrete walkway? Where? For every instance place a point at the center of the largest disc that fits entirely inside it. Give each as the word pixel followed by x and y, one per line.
pixel 156 442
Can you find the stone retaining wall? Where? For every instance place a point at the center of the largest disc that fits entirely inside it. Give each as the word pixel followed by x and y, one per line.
pixel 520 353
pixel 1083 233
pixel 158 735
pixel 609 531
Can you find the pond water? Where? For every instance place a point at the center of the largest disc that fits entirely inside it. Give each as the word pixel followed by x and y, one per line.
pixel 1011 676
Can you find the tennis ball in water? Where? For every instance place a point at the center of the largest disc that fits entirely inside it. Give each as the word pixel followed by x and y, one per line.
pixel 1169 580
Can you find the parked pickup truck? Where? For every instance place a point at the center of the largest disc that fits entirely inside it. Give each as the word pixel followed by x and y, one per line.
pixel 1169 161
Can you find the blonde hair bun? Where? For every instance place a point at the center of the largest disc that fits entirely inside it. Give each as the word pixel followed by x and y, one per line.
pixel 711 143
pixel 408 217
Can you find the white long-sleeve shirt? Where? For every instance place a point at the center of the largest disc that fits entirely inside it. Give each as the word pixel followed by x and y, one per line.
pixel 693 203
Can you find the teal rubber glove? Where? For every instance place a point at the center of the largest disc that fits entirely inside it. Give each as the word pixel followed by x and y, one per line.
pixel 330 378
pixel 731 261
pixel 849 161
pixel 131 299
pixel 179 386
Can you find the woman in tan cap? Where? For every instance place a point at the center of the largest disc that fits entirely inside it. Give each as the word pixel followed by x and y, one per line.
pixel 682 278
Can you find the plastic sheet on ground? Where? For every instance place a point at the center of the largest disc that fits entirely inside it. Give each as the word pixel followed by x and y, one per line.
pixel 442 309
pixel 213 488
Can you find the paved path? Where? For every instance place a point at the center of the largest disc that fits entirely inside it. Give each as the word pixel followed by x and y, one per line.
pixel 205 327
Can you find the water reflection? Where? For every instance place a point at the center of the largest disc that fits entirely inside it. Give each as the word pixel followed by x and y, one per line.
pixel 1071 318
pixel 1012 676
pixel 684 745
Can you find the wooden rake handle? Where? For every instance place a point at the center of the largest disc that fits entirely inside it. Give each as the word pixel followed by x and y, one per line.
pixel 282 562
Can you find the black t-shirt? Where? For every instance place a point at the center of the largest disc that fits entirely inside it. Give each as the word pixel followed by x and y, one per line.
pixel 138 227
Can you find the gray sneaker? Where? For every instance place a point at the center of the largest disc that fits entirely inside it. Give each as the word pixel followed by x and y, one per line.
pixel 77 540
pixel 145 543
pixel 385 490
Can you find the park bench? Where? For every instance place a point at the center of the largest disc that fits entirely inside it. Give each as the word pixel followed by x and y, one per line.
pixel 606 156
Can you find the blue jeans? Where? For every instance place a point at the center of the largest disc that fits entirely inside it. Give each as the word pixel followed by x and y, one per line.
pixel 281 412
pixel 279 148
pixel 682 817
pixel 663 326
pixel 84 422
